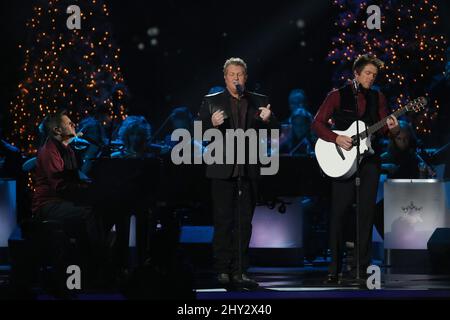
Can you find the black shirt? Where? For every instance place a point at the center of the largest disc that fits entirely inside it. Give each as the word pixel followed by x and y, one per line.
pixel 239 111
pixel 239 115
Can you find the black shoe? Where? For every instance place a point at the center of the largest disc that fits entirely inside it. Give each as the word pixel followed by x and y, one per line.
pixel 123 277
pixel 332 279
pixel 362 273
pixel 223 278
pixel 244 281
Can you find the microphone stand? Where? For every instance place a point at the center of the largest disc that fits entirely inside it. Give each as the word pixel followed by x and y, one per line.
pixel 429 167
pixel 357 183
pixel 109 147
pixel 160 128
pixel 296 147
pixel 438 153
pixel 239 185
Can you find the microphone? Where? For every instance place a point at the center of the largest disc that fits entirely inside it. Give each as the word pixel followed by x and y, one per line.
pixel 68 136
pixel 355 86
pixel 239 88
pixel 80 135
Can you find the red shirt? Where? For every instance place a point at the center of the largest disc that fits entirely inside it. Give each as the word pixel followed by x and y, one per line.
pixel 52 178
pixel 332 102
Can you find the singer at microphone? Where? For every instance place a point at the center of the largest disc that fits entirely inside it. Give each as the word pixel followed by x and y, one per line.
pixel 60 195
pixel 240 109
pixel 340 107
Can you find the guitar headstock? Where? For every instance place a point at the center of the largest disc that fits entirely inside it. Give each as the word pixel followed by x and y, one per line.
pixel 417 104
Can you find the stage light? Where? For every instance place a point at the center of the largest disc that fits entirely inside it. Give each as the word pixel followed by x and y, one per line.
pixel 300 23
pixel 153 32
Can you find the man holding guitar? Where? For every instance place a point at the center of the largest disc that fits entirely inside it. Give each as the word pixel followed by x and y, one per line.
pixel 339 106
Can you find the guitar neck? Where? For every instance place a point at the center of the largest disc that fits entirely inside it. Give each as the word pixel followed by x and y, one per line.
pixel 380 124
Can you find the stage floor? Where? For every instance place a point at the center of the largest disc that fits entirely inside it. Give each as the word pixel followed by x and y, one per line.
pixel 296 283
pixel 307 283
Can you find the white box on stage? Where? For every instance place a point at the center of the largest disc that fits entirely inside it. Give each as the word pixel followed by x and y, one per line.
pixel 277 237
pixel 272 229
pixel 7 210
pixel 413 209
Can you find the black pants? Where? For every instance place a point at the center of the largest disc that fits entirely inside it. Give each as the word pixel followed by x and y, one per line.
pixel 81 223
pixel 226 218
pixel 343 197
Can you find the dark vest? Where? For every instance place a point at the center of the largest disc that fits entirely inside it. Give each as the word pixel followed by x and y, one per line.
pixel 346 114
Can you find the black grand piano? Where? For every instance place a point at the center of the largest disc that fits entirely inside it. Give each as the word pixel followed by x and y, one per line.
pixel 158 179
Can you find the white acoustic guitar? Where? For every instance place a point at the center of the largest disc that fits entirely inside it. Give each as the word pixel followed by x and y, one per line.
pixel 338 163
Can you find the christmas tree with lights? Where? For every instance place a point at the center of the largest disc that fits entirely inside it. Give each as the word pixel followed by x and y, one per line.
pixel 408 42
pixel 66 68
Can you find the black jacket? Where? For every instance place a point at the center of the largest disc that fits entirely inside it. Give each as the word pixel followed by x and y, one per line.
pixel 221 101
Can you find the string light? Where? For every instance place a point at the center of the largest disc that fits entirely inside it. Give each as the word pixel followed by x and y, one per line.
pixel 66 69
pixel 409 45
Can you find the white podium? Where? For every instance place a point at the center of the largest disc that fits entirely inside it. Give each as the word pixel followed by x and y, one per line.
pixel 413 209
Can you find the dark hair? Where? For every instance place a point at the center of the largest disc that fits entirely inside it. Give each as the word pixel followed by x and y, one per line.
pixel 135 124
pixel 405 127
pixel 364 60
pixel 182 113
pixel 297 98
pixel 53 121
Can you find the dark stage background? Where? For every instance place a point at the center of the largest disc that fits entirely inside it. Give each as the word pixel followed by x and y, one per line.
pixel 172 53
pixel 285 44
